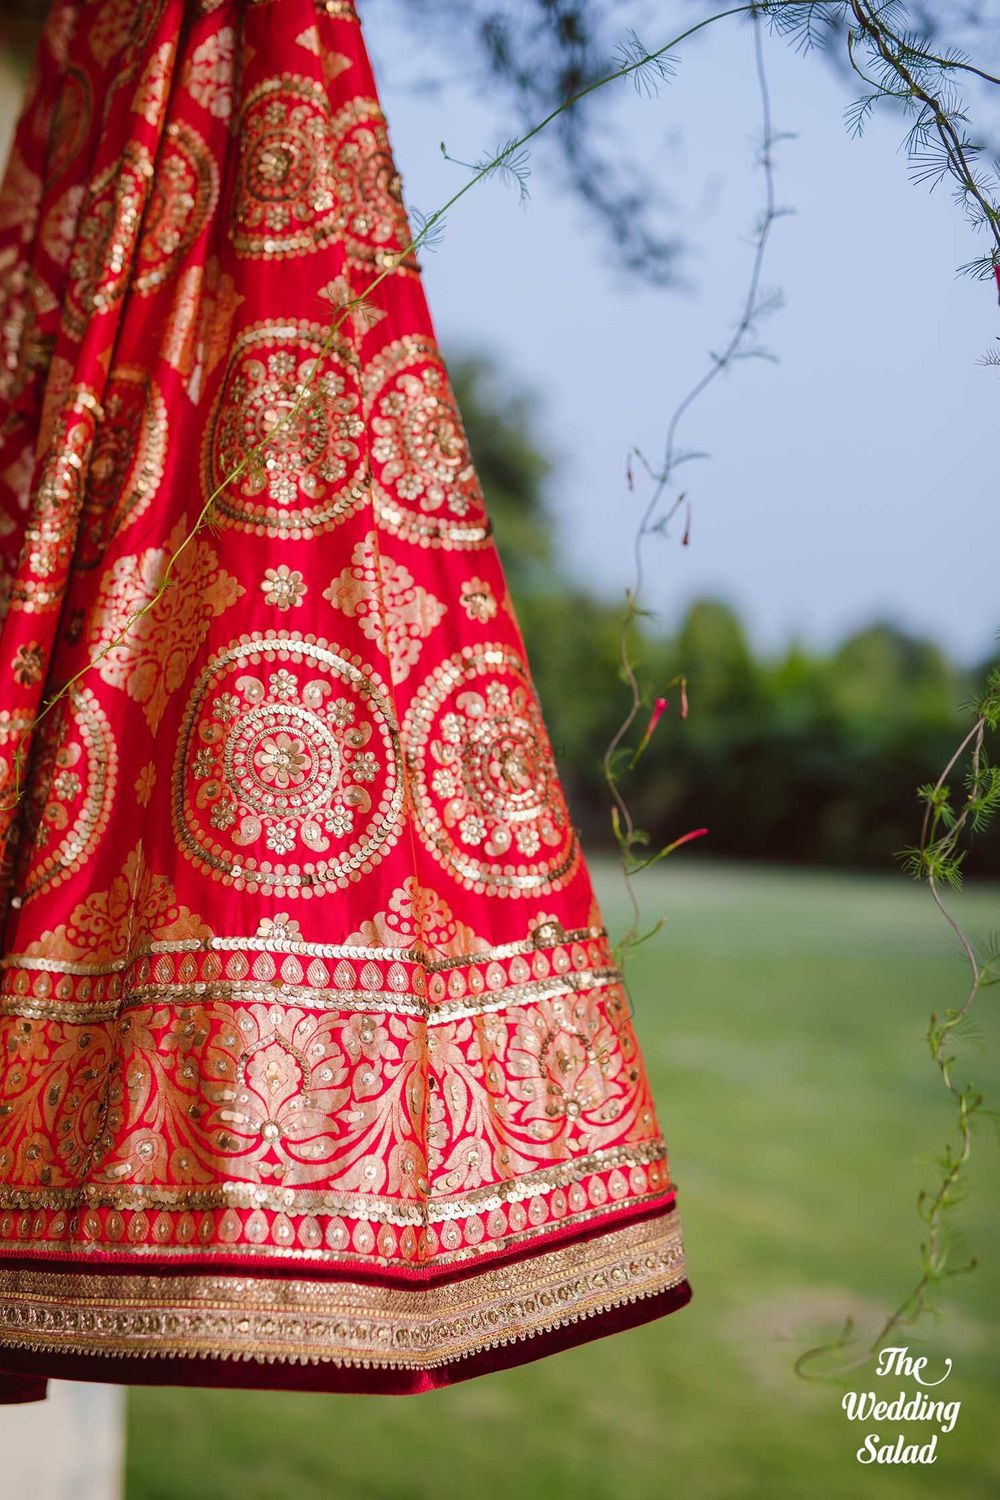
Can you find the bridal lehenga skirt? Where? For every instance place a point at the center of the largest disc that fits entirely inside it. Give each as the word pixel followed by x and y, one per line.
pixel 316 1070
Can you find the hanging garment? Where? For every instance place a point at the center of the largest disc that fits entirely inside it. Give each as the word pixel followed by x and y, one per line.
pixel 316 1070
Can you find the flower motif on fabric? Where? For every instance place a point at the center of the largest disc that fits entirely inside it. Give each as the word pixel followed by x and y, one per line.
pixel 159 647
pixel 208 75
pixel 144 783
pixel 139 906
pixel 419 918
pixel 51 531
pixel 311 474
pixel 485 791
pixel 283 587
pixel 389 605
pixel 572 1073
pixel 478 600
pixel 154 85
pixel 287 781
pixel 425 484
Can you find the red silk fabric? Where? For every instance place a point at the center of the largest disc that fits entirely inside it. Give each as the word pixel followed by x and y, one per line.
pixel 316 1066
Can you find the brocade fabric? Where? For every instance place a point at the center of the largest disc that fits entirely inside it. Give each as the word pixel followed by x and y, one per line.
pixel 316 1069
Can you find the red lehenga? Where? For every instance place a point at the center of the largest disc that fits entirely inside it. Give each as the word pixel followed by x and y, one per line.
pixel 316 1068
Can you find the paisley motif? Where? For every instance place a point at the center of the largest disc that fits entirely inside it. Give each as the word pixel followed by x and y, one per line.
pixel 70 121
pixel 312 473
pixel 486 795
pixel 287 777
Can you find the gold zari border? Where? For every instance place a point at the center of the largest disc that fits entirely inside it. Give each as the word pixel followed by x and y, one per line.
pixel 340 1322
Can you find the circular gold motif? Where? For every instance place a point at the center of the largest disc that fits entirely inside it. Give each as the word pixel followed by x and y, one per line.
pixel 73 783
pixel 184 193
pixel 126 463
pixel 369 188
pixel 100 266
pixel 311 476
pixel 425 487
pixel 285 201
pixel 485 790
pixel 289 748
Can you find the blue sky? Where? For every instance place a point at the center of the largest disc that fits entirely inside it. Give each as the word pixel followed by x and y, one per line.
pixel 854 479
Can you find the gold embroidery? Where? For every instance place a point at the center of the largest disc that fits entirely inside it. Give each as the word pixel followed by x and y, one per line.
pixel 72 783
pixel 300 754
pixel 424 482
pixel 486 789
pixel 144 783
pixel 154 85
pixel 286 198
pixel 344 1322
pixel 184 194
pixel 478 599
pixel 152 660
pixel 390 607
pixel 311 475
pixel 208 75
pixel 102 928
pixel 418 918
pixel 101 264
pixel 284 587
pixel 126 462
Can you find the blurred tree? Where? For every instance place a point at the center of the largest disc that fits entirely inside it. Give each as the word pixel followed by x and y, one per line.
pixel 536 53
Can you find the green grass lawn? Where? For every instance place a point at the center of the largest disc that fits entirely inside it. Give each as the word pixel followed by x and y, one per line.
pixel 782 1016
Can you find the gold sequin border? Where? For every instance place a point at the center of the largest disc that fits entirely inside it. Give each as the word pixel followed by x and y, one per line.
pixel 282 1320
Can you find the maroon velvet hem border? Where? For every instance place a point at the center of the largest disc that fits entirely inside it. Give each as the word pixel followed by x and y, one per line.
pixel 25 1371
pixel 215 1263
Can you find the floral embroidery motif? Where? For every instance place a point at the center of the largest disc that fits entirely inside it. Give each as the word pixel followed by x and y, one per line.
pixel 286 198
pixel 389 605
pixel 283 587
pixel 144 783
pixel 74 773
pixel 478 599
pixel 370 190
pixel 196 335
pixel 424 483
pixel 152 660
pixel 485 784
pixel 208 76
pixel 126 461
pixel 419 919
pixel 29 663
pixel 154 85
pixel 311 475
pixel 288 747
pixel 138 907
